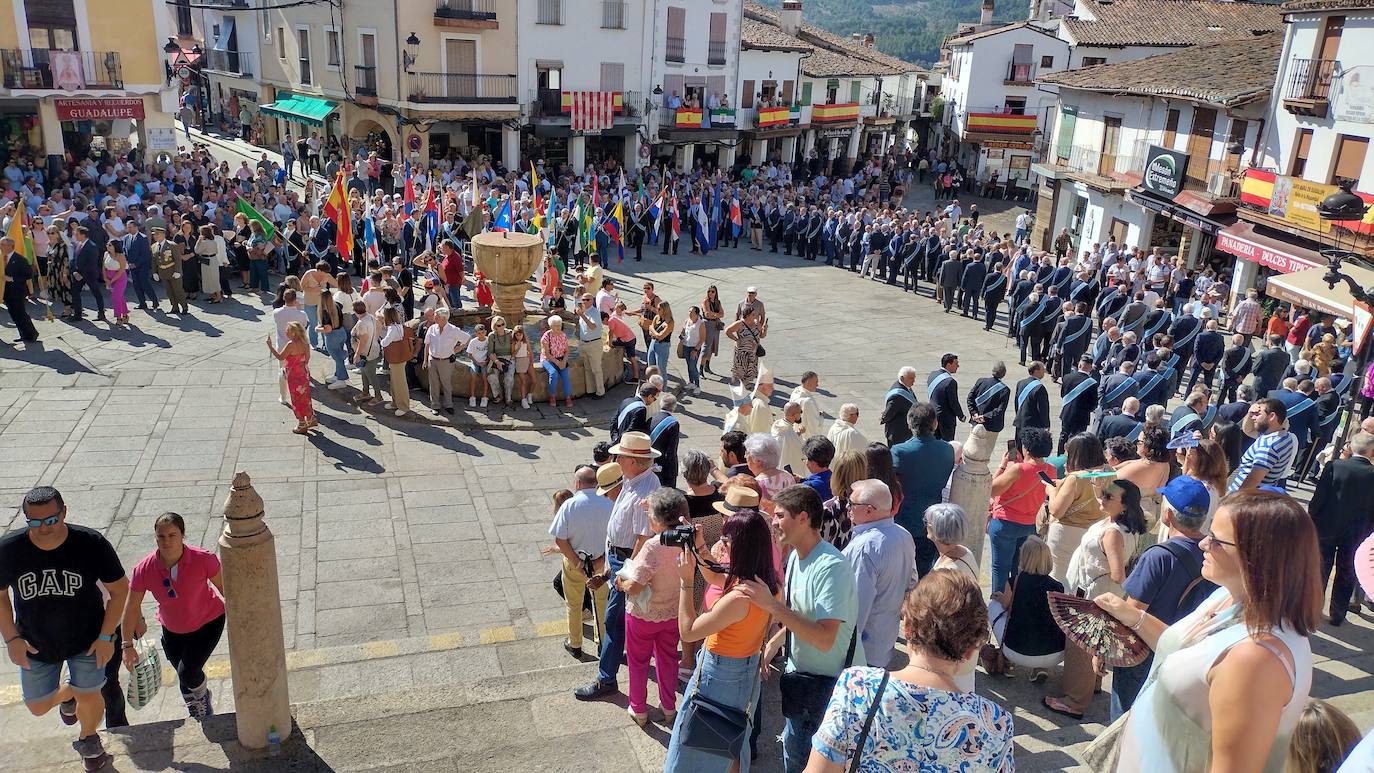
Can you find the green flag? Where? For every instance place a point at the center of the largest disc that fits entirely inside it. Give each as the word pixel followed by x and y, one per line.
pixel 247 211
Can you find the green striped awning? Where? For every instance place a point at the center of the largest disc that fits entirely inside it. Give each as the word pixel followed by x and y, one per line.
pixel 301 109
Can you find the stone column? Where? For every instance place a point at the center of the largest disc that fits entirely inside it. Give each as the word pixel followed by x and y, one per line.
pixel 808 141
pixel 257 652
pixel 759 150
pixel 51 129
pixel 630 158
pixel 688 154
pixel 789 149
pixel 726 159
pixel 852 151
pixel 510 147
pixel 971 488
pixel 577 153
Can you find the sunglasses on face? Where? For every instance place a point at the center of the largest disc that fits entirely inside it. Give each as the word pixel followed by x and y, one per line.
pixel 49 521
pixel 1213 539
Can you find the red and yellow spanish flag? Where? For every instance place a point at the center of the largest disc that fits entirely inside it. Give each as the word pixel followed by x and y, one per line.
pixel 336 209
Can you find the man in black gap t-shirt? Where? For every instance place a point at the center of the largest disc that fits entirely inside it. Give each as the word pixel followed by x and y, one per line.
pixel 52 611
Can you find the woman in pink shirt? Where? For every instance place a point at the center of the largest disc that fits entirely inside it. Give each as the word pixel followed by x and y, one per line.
pixel 192 613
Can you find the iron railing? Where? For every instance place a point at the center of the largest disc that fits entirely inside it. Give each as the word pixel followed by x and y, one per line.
pixel 237 62
pixel 1020 72
pixel 676 50
pixel 1310 78
pixel 715 52
pixel 613 14
pixel 39 68
pixel 365 80
pixel 481 10
pixel 462 88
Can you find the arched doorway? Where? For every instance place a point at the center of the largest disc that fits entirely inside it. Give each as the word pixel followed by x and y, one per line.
pixel 374 137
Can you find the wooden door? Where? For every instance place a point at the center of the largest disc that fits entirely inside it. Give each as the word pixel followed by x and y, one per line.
pixel 460 68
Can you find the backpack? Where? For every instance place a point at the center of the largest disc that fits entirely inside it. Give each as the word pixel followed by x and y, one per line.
pixel 401 351
pixel 1195 592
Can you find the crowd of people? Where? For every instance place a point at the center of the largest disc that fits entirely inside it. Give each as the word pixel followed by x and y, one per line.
pixel 802 549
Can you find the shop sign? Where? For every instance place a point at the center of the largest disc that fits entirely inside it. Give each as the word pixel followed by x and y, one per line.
pixel 1006 144
pixel 826 134
pixel 162 139
pixel 109 109
pixel 1164 171
pixel 1364 316
pixel 1254 252
pixel 1295 200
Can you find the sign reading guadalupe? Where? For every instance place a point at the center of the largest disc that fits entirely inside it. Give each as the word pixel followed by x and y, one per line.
pixel 1164 171
pixel 109 109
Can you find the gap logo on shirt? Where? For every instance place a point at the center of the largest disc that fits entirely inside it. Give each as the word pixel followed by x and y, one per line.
pixel 52 583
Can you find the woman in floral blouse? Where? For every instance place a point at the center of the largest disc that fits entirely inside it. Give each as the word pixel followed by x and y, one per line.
pixel 553 356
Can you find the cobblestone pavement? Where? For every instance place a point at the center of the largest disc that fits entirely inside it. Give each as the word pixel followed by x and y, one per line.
pixel 416 606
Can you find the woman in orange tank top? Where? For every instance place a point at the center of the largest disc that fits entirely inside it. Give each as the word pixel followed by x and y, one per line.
pixel 727 672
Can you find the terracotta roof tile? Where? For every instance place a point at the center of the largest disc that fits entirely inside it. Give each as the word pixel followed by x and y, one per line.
pixel 972 36
pixel 761 36
pixel 1171 22
pixel 1231 72
pixel 1295 6
pixel 837 44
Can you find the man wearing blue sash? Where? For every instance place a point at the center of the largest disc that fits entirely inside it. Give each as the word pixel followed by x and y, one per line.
pixel 896 403
pixel 1032 400
pixel 1079 398
pixel 1208 351
pixel 1184 333
pixel 1116 387
pixel 987 401
pixel 943 391
pixel 1154 381
pixel 1189 417
pixel 1328 416
pixel 1111 303
pixel 1070 339
pixel 1126 424
pixel 1132 319
pixel 1106 341
pixel 994 290
pixel 664 434
pixel 1028 325
pixel 1301 410
pixel 1024 285
pixel 1084 290
pixel 1157 320
pixel 1052 311
pixel 633 414
pixel 1270 365
pixel 971 287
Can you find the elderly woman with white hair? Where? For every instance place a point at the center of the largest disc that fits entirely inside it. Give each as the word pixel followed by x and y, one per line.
pixel 946 526
pixel 763 455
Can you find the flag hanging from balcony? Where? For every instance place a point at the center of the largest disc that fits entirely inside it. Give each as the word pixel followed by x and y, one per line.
pixel 336 209
pixel 592 110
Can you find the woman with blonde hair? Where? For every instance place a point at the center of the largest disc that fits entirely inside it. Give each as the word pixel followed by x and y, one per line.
pixel 845 470
pixel 1073 501
pixel 1020 617
pixel 295 360
pixel 660 338
pixel 1205 461
pixel 520 355
pixel 1322 740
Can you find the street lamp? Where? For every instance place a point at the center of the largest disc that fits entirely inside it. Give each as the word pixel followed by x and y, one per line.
pixel 1344 206
pixel 408 55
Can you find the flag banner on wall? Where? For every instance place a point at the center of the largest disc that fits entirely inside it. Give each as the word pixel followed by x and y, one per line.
pixel 592 110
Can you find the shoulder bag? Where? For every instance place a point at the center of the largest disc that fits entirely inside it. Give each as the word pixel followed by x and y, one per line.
pixel 806 695
pixel 862 740
pixel 714 728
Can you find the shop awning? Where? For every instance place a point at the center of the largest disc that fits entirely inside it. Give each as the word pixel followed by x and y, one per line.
pixel 302 109
pixel 1306 288
pixel 1187 208
pixel 1241 240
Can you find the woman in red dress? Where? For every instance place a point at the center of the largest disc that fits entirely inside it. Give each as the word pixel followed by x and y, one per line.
pixel 295 359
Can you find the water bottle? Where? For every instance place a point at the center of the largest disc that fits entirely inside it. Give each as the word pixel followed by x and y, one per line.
pixel 273 742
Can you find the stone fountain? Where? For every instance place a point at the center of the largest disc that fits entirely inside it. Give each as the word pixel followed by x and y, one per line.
pixel 508 260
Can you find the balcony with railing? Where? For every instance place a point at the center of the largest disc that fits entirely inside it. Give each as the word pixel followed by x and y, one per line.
pixel 1307 89
pixel 700 118
pixel 613 14
pixel 715 52
pixel 1020 74
pixel 676 50
pixel 42 69
pixel 233 62
pixel 554 104
pixel 365 80
pixel 469 14
pixel 462 88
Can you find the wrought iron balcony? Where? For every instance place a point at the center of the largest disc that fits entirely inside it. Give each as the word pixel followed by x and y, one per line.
pixel 1308 87
pixel 461 13
pixel 236 62
pixel 462 88
pixel 365 80
pixel 40 68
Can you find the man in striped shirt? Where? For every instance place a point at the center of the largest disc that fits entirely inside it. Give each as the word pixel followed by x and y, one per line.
pixel 1267 461
pixel 1245 318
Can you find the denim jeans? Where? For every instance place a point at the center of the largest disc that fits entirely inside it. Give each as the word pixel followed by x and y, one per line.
pixel 693 371
pixel 658 355
pixel 727 681
pixel 1126 684
pixel 257 275
pixel 796 739
pixel 312 313
pixel 334 342
pixel 455 297
pixel 557 374
pixel 613 643
pixel 1006 538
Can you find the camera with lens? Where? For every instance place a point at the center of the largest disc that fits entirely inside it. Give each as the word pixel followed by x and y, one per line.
pixel 679 536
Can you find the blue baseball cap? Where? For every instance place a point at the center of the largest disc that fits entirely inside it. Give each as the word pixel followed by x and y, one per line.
pixel 1272 489
pixel 1187 496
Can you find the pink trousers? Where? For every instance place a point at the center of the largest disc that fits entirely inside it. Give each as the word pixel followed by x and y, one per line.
pixel 642 640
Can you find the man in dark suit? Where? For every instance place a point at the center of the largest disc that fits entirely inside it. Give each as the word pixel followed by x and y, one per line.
pixel 633 414
pixel 1185 332
pixel 1117 387
pixel 951 271
pixel 943 391
pixel 971 287
pixel 1029 326
pixel 1020 293
pixel 1032 400
pixel 1126 424
pixel 1235 366
pixel 994 290
pixel 1070 338
pixel 1079 397
pixel 18 272
pixel 1301 410
pixel 1341 510
pixel 790 218
pixel 86 269
pixel 664 434
pixel 987 401
pixel 1235 410
pixel 1270 365
pixel 1208 351
pixel 1111 303
pixel 1189 417
pixel 1154 381
pixel 139 254
pixel 1133 315
pixel 898 401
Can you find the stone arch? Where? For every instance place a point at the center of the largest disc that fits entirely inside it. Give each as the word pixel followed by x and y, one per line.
pixel 366 125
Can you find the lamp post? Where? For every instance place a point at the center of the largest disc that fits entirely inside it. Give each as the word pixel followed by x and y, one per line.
pixel 1344 206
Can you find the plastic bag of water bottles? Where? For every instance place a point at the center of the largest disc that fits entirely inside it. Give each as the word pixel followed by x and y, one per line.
pixel 146 678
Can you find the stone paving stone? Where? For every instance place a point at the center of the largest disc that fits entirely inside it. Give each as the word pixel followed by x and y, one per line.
pixel 355 549
pixel 379 568
pixel 360 622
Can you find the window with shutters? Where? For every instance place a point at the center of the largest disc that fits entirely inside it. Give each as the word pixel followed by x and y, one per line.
pixel 1170 128
pixel 787 87
pixel 806 94
pixel 612 76
pixel 550 12
pixel 1302 148
pixel 303 44
pixel 331 48
pixel 715 48
pixel 1200 144
pixel 613 14
pixel 854 87
pixel 746 94
pixel 677 42
pixel 1350 153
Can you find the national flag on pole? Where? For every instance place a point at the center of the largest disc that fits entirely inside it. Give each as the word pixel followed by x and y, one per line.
pixel 656 215
pixel 584 233
pixel 591 110
pixel 431 215
pixel 551 217
pixel 677 225
pixel 596 192
pixel 702 225
pixel 336 209
pixel 370 237
pixel 503 218
pixel 538 200
pixel 408 196
pixel 20 230
pixel 246 209
pixel 736 221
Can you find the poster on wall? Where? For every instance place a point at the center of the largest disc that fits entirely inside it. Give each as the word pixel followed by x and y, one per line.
pixel 1352 97
pixel 1295 200
pixel 1018 168
pixel 162 140
pixel 66 70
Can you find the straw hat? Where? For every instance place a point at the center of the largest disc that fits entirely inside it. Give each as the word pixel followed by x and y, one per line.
pixel 608 476
pixel 737 498
pixel 636 444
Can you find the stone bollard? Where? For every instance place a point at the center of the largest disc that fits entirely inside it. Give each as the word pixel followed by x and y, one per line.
pixel 257 652
pixel 971 488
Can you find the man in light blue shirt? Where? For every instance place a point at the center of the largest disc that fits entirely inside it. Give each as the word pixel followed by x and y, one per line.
pixel 579 531
pixel 818 612
pixel 882 555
